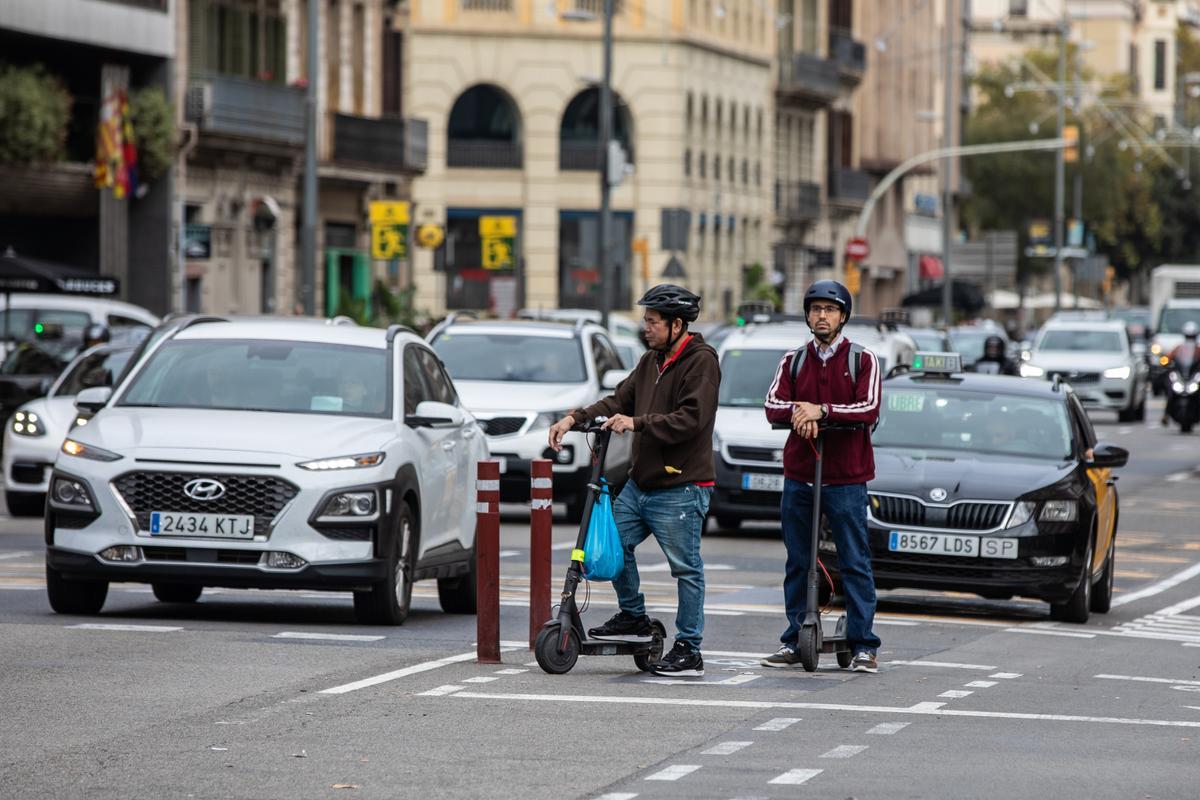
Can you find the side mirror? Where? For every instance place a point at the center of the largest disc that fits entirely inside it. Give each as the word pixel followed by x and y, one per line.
pixel 431 414
pixel 93 399
pixel 1108 455
pixel 44 385
pixel 612 378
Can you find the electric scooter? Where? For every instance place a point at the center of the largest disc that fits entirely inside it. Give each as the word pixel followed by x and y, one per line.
pixel 563 639
pixel 812 640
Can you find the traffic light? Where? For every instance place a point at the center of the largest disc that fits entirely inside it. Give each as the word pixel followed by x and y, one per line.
pixel 853 277
pixel 1071 152
pixel 1110 272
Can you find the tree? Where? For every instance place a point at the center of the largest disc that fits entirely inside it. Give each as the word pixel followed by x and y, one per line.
pixel 154 130
pixel 34 112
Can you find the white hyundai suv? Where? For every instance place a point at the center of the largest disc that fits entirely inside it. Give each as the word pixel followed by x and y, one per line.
pixel 269 453
pixel 519 378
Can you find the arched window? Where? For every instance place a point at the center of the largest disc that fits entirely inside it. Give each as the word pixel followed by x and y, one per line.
pixel 484 130
pixel 579 135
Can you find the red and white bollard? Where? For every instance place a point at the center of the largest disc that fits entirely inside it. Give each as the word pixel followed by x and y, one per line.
pixel 541 498
pixel 487 563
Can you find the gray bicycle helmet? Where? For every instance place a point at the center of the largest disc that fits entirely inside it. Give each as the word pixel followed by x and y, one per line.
pixel 831 291
pixel 672 302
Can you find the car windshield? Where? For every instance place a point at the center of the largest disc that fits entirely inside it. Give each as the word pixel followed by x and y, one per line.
pixel 746 376
pixel 515 357
pixel 97 369
pixel 1082 341
pixel 969 344
pixel 919 417
pixel 1173 319
pixel 36 358
pixel 929 341
pixel 258 375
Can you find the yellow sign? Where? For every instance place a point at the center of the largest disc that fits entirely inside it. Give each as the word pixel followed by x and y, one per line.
pixel 853 277
pixel 498 241
pixel 389 212
pixel 389 241
pixel 430 236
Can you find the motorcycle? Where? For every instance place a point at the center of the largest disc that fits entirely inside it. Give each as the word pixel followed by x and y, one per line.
pixel 1183 396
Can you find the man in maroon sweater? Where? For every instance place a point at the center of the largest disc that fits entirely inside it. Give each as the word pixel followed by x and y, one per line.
pixel 827 387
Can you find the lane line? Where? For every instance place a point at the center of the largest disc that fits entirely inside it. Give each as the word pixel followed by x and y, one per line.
pixel 946 664
pixel 980 684
pixel 673 772
pixel 735 680
pixel 795 777
pixel 481 679
pixel 1047 632
pixel 102 626
pixel 725 748
pixel 955 694
pixel 845 751
pixel 1007 676
pixel 331 637
pixel 919 709
pixel 780 723
pixel 888 728
pixel 511 671
pixel 1140 679
pixel 399 673
pixel 618 796
pixel 15 554
pixel 441 691
pixel 1160 587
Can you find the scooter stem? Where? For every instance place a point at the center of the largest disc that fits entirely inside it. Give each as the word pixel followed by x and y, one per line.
pixel 812 612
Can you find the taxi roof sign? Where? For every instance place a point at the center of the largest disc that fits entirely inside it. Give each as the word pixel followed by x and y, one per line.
pixel 937 363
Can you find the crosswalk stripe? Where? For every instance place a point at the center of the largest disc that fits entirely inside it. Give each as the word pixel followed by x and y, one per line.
pixel 673 772
pixel 778 724
pixel 795 777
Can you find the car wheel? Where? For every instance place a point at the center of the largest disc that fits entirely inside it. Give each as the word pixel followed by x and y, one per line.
pixel 1102 592
pixel 176 592
pixel 74 597
pixel 388 601
pixel 1127 414
pixel 575 507
pixel 729 523
pixel 457 595
pixel 1077 607
pixel 25 504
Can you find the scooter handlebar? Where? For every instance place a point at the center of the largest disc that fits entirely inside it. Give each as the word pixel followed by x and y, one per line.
pixel 823 426
pixel 592 426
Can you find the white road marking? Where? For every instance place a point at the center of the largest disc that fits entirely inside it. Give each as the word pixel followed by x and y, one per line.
pixel 779 724
pixel 481 679
pixel 511 671
pixel 399 673
pixel 710 611
pixel 664 566
pixel 509 553
pixel 735 680
pixel 1048 632
pixel 101 626
pixel 845 751
pixel 1008 676
pixel 618 796
pixel 946 664
pixel 980 684
pixel 1140 679
pixel 673 772
pixel 888 728
pixel 794 777
pixel 332 637
pixel 725 748
pixel 15 554
pixel 1161 586
pixel 954 694
pixel 919 709
pixel 441 691
pixel 1177 477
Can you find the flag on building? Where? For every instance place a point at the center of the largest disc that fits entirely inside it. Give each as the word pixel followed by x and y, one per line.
pixel 116 150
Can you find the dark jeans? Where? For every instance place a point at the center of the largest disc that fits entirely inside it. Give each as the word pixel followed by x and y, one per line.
pixel 846 509
pixel 675 518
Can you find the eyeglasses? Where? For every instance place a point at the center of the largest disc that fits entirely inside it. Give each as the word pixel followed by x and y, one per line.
pixel 822 310
pixel 652 323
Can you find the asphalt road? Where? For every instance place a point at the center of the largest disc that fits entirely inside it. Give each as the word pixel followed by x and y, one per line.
pixel 280 694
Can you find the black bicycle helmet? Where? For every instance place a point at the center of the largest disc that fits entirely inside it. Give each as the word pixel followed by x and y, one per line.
pixel 993 348
pixel 672 302
pixel 829 290
pixel 96 333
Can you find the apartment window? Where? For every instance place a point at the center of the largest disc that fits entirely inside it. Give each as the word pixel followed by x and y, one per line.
pixel 487 5
pixel 393 64
pixel 333 55
pixel 703 166
pixel 229 38
pixel 757 173
pixel 1018 8
pixel 687 163
pixel 359 55
pixel 1160 64
pixel 732 164
pixel 745 172
pixel 809 22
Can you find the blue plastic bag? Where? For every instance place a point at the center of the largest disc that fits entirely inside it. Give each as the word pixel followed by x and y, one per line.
pixel 603 556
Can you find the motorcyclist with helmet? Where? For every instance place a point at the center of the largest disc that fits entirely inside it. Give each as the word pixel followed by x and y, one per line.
pixel 995 360
pixel 95 334
pixel 669 403
pixel 1185 360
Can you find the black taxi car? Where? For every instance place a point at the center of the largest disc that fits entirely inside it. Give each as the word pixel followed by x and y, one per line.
pixel 994 485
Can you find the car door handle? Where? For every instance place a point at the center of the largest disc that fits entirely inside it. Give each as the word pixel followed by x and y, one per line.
pixel 448 444
pixel 469 433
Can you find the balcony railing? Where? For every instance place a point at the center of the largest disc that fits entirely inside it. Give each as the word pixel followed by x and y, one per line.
pixel 484 154
pixel 386 143
pixel 849 54
pixel 584 156
pixel 596 7
pixel 797 202
pixel 849 187
pixel 809 79
pixel 246 108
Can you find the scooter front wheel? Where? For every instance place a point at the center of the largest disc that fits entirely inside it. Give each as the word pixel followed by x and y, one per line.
pixel 549 658
pixel 810 648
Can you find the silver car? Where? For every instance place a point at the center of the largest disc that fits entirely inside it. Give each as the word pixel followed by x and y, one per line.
pixel 1095 357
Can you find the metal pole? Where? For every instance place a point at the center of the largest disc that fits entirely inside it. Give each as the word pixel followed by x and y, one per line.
pixel 487 562
pixel 541 498
pixel 606 127
pixel 1059 164
pixel 1078 213
pixel 947 164
pixel 308 228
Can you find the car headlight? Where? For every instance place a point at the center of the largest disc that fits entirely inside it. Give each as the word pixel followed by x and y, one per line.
pixel 547 418
pixel 1059 511
pixel 1031 371
pixel 343 462
pixel 1021 513
pixel 1178 387
pixel 81 450
pixel 1119 373
pixel 349 504
pixel 27 423
pixel 70 492
pixel 1156 348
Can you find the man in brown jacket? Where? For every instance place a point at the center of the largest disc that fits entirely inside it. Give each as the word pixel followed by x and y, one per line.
pixel 669 403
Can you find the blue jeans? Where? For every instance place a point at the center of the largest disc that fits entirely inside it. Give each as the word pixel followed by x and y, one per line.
pixel 846 509
pixel 675 517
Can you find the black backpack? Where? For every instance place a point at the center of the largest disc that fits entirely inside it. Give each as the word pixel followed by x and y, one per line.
pixel 856 351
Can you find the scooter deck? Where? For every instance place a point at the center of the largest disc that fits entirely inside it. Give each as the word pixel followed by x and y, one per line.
pixel 614 647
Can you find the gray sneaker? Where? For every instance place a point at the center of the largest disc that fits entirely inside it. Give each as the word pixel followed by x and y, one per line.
pixel 783 658
pixel 864 661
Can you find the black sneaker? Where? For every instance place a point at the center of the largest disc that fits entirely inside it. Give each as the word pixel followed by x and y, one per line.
pixel 783 658
pixel 683 661
pixel 624 626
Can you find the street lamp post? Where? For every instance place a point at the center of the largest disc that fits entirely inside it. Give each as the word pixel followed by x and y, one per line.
pixel 1060 164
pixel 308 227
pixel 606 127
pixel 947 165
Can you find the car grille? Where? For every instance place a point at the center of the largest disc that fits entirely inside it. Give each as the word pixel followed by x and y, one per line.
pixel 260 495
pixel 199 555
pixel 909 511
pixel 764 455
pixel 1076 377
pixel 502 426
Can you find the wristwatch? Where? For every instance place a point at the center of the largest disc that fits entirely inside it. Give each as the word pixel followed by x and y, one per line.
pixel 824 410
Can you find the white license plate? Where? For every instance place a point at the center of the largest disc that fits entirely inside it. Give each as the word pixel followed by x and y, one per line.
pixel 758 482
pixel 220 526
pixel 990 547
pixel 940 544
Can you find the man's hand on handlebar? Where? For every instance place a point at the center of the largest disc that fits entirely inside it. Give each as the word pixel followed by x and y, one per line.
pixel 618 423
pixel 558 430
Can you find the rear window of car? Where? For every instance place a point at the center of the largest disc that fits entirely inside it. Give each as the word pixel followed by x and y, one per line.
pixel 746 376
pixel 516 357
pixel 915 418
pixel 97 369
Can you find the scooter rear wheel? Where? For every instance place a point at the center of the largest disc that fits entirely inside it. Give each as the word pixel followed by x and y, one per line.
pixel 545 649
pixel 810 648
pixel 646 661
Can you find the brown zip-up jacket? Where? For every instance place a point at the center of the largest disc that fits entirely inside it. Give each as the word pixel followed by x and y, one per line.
pixel 674 408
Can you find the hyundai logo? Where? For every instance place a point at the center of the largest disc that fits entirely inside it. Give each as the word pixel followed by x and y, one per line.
pixel 937 495
pixel 204 489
